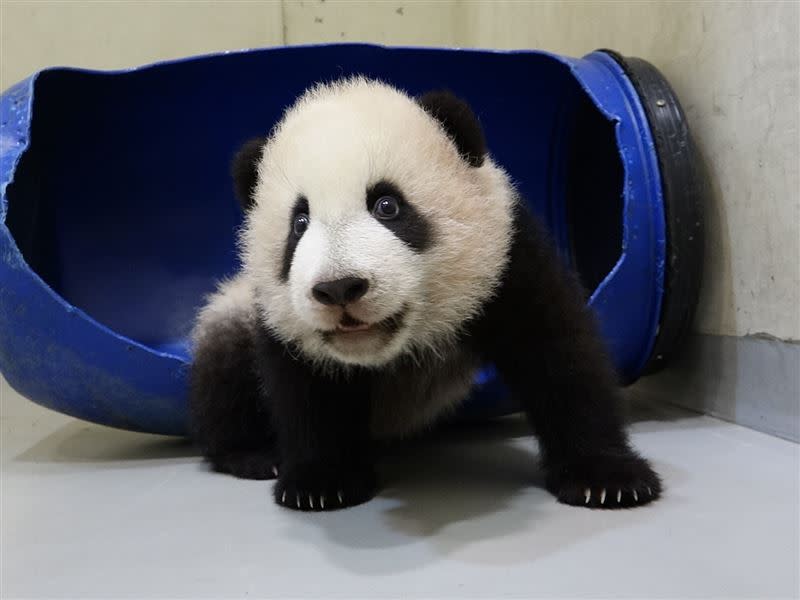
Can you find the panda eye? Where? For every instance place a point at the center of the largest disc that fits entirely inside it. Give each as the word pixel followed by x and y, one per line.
pixel 300 224
pixel 386 208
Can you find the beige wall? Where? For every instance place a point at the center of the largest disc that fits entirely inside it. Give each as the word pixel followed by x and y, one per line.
pixel 735 65
pixel 109 34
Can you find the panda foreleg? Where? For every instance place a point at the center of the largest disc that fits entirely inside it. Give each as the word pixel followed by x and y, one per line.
pixel 229 415
pixel 322 422
pixel 542 338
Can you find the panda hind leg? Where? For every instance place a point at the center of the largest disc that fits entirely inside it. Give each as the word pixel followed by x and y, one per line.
pixel 230 419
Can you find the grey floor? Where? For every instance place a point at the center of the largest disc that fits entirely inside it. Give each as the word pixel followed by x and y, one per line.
pixel 93 512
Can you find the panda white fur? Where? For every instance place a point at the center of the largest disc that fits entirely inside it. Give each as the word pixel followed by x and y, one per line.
pixel 385 256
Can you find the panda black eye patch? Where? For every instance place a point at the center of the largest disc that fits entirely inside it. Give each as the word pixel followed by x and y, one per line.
pixel 295 232
pixel 399 216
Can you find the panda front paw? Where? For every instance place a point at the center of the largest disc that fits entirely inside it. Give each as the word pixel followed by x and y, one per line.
pixel 610 480
pixel 315 487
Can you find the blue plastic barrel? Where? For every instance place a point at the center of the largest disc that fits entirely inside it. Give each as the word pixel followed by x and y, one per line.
pixel 117 213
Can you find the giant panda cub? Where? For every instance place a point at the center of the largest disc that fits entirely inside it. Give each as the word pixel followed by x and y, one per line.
pixel 385 257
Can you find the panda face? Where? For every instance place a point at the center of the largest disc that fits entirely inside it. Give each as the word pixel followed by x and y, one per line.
pixel 351 273
pixel 369 234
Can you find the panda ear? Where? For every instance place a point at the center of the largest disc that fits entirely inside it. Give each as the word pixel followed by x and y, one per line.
pixel 460 123
pixel 244 170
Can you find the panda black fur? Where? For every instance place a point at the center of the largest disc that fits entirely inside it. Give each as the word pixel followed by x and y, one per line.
pixel 385 257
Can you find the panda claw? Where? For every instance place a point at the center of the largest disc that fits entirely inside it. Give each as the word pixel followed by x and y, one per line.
pixel 311 501
pixel 275 470
pixel 635 496
pixel 619 496
pixel 297 497
pixel 322 502
pixel 603 496
pixel 649 491
pixel 283 497
pixel 587 493
pixel 341 497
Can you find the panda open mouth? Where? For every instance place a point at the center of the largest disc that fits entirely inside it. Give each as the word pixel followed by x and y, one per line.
pixel 349 325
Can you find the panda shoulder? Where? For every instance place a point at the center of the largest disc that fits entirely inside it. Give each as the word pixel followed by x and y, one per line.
pixel 231 305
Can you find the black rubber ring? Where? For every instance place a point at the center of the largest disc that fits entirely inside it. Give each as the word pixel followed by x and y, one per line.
pixel 685 190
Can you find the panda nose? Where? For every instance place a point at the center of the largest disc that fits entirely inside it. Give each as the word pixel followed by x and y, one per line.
pixel 340 291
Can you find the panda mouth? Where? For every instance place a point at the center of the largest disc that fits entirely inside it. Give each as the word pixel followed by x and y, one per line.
pixel 349 325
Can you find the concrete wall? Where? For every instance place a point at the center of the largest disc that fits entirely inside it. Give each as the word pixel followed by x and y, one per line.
pixel 110 34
